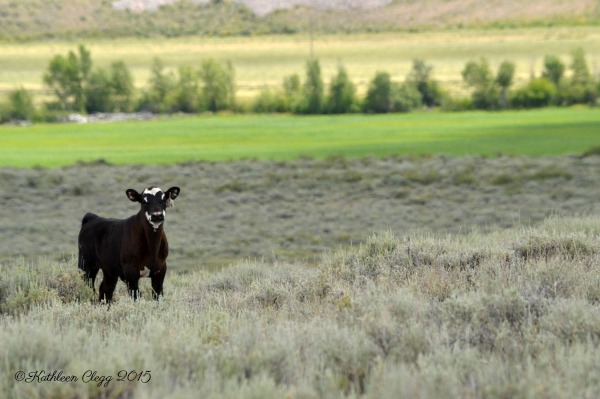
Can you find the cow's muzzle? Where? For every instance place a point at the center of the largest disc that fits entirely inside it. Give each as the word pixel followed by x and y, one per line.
pixel 157 217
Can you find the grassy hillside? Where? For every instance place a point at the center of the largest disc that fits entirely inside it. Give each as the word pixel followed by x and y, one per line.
pixel 506 314
pixel 34 19
pixel 26 19
pixel 281 137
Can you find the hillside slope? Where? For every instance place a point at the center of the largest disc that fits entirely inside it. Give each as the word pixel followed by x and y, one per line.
pixel 88 18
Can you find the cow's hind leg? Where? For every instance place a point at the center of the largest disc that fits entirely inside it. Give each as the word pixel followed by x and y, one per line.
pixel 92 278
pixel 87 263
pixel 89 277
pixel 107 287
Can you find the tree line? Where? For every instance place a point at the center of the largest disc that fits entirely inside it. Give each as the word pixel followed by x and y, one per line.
pixel 78 87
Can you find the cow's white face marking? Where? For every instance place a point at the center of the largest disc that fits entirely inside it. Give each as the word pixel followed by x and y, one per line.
pixel 153 191
pixel 155 225
pixel 145 272
pixel 150 197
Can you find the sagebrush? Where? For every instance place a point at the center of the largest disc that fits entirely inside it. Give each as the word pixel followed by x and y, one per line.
pixel 510 313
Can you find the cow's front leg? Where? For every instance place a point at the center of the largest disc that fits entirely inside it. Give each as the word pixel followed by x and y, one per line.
pixel 157 282
pixel 132 279
pixel 133 287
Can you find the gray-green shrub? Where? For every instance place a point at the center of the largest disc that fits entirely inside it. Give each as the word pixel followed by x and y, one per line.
pixel 420 315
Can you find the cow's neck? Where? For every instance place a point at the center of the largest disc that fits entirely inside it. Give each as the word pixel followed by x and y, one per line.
pixel 152 234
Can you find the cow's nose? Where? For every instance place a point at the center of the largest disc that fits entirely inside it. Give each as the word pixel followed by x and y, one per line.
pixel 157 216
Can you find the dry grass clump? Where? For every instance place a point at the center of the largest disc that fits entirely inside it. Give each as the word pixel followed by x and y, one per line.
pixel 417 316
pixel 24 284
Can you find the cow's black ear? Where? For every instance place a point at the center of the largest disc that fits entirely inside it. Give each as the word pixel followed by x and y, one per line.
pixel 173 192
pixel 133 195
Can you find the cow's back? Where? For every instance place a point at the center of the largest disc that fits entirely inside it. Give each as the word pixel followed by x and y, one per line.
pixel 100 241
pixel 93 230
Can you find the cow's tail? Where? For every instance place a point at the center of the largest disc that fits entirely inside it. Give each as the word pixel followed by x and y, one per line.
pixel 84 245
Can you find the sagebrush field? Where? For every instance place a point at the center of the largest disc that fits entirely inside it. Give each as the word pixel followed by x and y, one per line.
pixel 372 277
pixel 509 314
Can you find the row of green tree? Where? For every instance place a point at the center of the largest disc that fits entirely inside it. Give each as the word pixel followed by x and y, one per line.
pixel 78 87
pixel 489 91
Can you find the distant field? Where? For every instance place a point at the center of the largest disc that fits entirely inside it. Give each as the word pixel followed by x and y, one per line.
pixel 265 60
pixel 285 137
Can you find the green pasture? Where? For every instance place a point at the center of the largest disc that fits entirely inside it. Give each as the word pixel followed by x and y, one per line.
pixel 285 137
pixel 265 60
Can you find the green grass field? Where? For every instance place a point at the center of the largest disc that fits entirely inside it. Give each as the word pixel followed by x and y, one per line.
pixel 266 60
pixel 285 137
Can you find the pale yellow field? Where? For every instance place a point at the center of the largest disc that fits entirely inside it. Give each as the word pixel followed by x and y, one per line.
pixel 265 60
